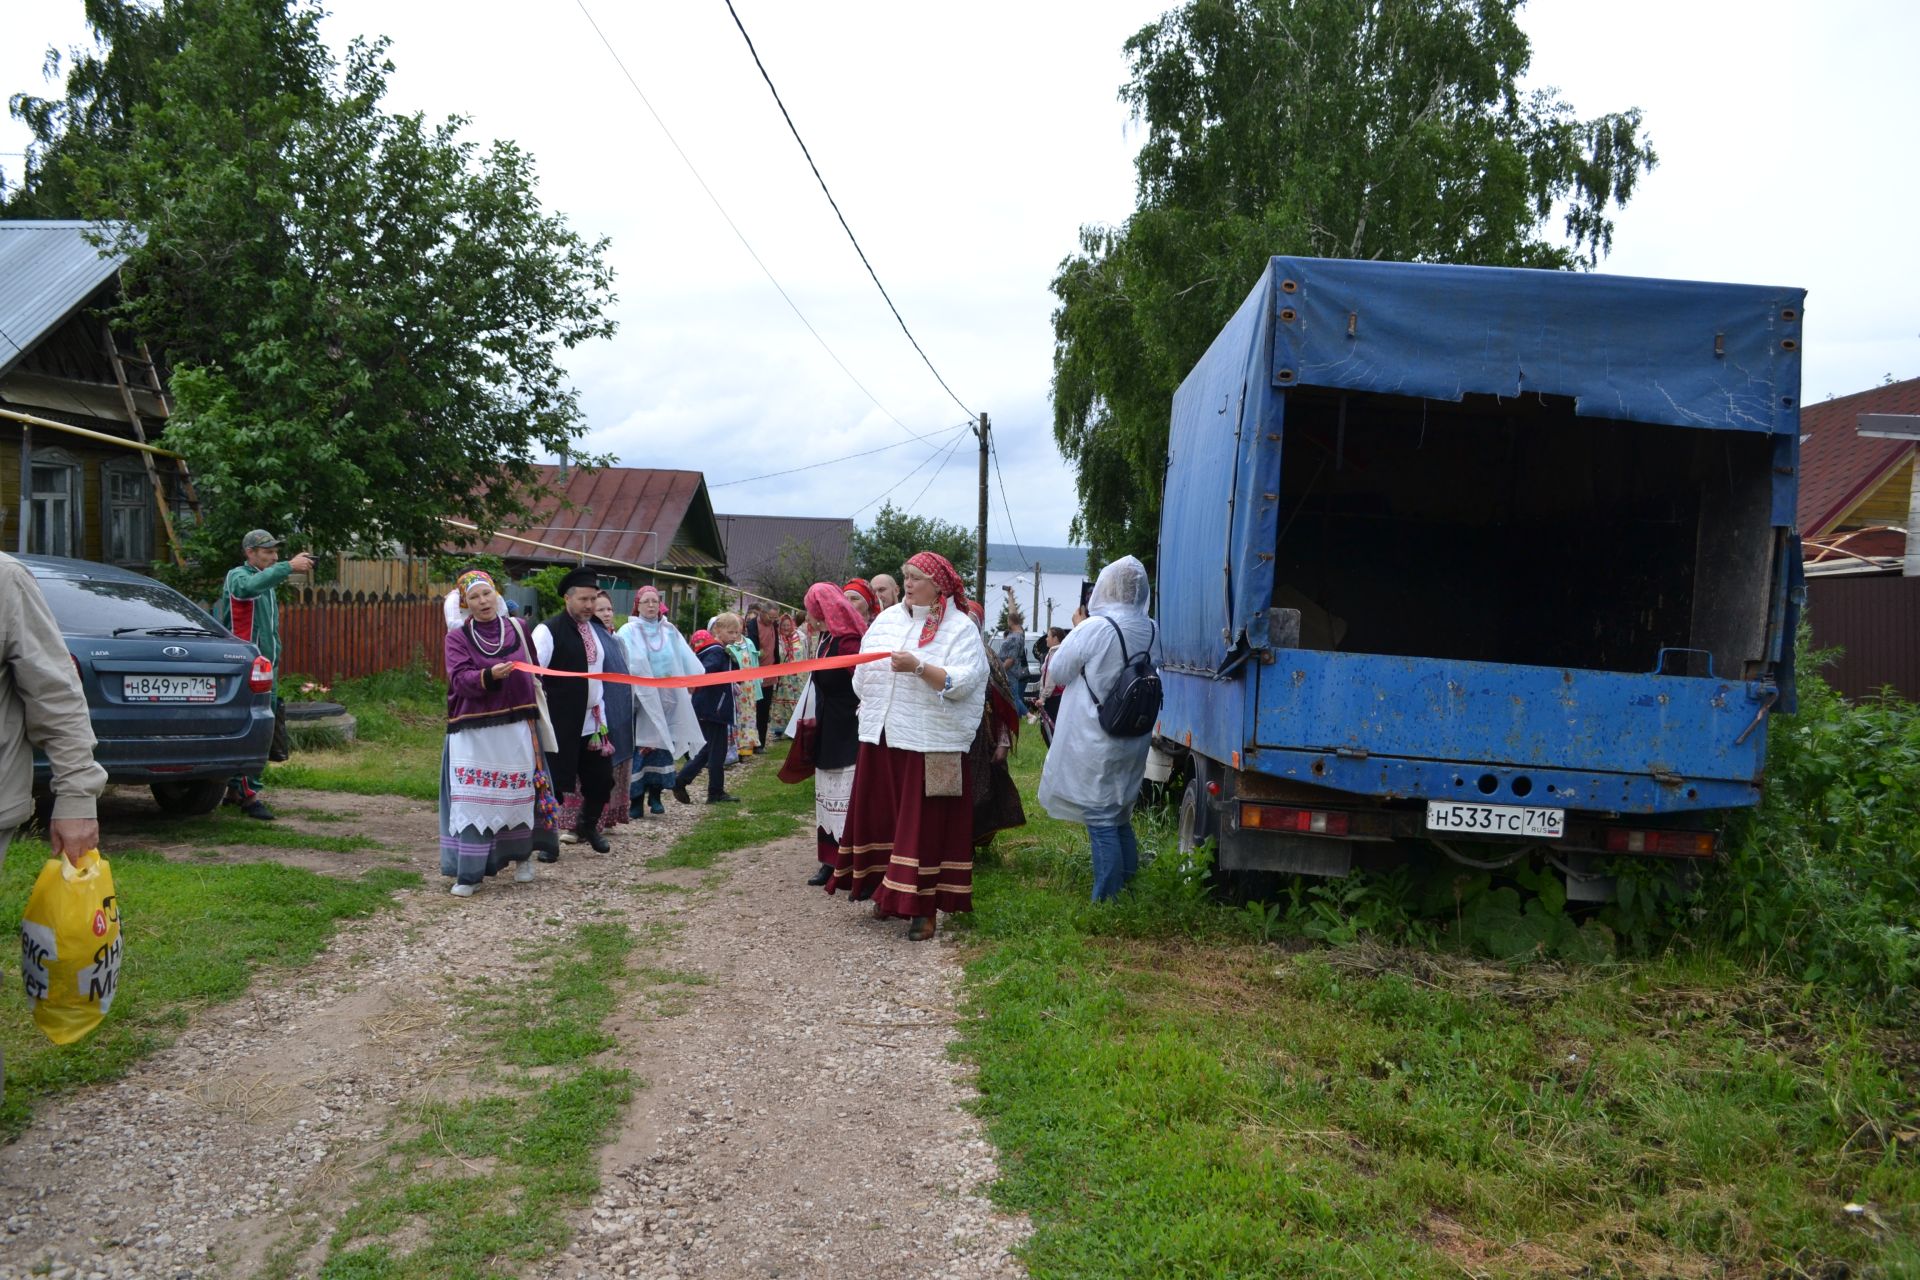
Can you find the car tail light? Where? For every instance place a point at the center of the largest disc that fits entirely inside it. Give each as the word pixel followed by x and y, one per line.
pixel 260 679
pixel 1682 844
pixel 1315 822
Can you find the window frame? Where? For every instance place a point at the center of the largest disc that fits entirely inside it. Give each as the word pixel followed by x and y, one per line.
pixel 57 459
pixel 137 470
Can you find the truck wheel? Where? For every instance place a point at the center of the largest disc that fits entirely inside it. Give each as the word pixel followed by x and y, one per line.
pixel 189 799
pixel 1197 820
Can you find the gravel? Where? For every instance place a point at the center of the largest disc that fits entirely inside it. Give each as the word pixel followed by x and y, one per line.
pixel 801 1114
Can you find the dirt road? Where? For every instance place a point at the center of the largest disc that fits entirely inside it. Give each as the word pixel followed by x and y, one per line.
pixel 800 1115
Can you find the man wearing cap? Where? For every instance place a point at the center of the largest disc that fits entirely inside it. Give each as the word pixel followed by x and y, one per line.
pixel 249 608
pixel 567 642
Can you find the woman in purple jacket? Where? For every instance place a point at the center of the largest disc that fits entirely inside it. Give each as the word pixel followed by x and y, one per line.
pixel 489 818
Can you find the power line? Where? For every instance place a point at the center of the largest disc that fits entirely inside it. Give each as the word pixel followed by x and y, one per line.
pixel 903 479
pixel 741 235
pixel 953 449
pixel 994 448
pixel 795 131
pixel 846 457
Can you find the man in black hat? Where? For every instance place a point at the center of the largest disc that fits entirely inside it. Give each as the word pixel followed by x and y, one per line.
pixel 566 642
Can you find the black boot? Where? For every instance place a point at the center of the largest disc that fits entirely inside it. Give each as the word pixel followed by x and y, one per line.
pixel 820 877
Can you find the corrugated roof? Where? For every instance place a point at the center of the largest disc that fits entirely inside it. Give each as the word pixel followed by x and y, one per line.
pixel 621 513
pixel 47 270
pixel 1838 466
pixel 754 544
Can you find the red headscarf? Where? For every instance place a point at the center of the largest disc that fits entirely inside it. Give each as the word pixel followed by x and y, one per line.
pixel 704 639
pixel 866 593
pixel 941 570
pixel 824 600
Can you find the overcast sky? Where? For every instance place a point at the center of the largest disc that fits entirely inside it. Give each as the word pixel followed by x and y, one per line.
pixel 967 144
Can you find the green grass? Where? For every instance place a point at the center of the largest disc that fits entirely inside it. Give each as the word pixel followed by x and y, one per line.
pixel 481 1186
pixel 1172 1097
pixel 400 726
pixel 768 810
pixel 224 828
pixel 194 935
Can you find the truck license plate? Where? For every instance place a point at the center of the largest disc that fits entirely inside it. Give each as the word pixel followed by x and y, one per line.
pixel 168 688
pixel 1496 819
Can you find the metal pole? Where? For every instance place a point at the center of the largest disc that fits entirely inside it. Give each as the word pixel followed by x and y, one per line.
pixel 980 577
pixel 1034 617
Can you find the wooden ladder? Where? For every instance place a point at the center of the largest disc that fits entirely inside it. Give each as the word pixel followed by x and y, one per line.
pixel 152 384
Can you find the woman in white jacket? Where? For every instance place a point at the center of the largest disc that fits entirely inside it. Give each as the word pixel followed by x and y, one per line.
pixel 1092 777
pixel 908 842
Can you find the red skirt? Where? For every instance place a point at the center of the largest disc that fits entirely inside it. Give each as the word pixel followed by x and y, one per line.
pixel 910 852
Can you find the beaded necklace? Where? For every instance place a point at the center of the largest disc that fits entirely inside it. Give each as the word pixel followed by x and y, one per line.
pixel 499 641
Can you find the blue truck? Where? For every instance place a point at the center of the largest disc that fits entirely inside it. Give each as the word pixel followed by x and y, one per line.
pixel 1480 562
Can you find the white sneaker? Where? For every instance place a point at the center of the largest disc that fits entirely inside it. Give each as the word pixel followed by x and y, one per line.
pixel 463 890
pixel 525 874
pixel 567 837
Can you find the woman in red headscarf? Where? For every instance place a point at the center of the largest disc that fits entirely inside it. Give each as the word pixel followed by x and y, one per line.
pixel 835 711
pixel 908 842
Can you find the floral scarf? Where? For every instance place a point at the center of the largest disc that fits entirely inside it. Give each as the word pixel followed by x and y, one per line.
pixel 941 570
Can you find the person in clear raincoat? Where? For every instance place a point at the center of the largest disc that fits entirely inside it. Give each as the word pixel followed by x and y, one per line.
pixel 1092 777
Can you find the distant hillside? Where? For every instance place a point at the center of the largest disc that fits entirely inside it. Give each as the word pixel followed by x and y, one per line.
pixel 1006 558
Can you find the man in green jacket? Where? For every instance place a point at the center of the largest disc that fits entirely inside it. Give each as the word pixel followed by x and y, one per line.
pixel 251 611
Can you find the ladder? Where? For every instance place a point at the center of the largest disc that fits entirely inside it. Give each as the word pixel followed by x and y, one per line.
pixel 152 384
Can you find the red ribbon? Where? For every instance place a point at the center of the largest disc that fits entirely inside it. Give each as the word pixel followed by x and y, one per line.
pixel 705 678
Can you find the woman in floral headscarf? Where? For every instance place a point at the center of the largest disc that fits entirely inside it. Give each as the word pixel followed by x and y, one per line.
pixel 908 843
pixel 786 689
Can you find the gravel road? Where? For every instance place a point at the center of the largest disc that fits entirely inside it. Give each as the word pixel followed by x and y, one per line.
pixel 801 1115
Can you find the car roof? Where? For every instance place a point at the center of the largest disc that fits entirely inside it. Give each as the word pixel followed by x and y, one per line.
pixel 63 567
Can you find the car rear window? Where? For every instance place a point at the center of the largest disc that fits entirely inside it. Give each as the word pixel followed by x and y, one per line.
pixel 95 607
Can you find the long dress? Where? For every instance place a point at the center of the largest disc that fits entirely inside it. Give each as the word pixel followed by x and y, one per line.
pixel 620 722
pixel 996 799
pixel 746 731
pixel 786 689
pixel 491 771
pixel 836 746
pixel 665 726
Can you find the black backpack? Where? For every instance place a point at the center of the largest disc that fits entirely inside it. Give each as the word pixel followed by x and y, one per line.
pixel 1133 699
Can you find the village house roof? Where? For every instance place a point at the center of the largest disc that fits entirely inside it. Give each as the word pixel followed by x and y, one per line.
pixel 48 272
pixel 1840 468
pixel 639 515
pixel 755 545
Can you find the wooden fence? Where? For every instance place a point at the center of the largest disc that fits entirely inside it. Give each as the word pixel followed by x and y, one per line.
pixel 331 634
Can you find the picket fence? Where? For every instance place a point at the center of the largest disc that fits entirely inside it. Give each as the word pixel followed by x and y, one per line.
pixel 330 634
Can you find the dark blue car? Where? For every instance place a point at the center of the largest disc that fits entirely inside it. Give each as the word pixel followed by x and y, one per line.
pixel 177 702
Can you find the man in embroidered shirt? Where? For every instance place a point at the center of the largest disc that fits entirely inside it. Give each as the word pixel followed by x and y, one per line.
pixel 567 642
pixel 251 611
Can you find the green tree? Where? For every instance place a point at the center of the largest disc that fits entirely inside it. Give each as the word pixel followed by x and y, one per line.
pixel 363 312
pixel 884 545
pixel 1328 128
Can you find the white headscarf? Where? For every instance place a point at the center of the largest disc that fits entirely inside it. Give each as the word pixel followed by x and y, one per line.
pixel 455 610
pixel 1121 591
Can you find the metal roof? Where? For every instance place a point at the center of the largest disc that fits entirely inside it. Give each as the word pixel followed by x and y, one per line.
pixel 47 270
pixel 635 514
pixel 754 545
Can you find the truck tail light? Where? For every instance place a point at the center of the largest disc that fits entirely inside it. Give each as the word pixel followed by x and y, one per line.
pixel 1213 788
pixel 1680 844
pixel 260 679
pixel 1313 822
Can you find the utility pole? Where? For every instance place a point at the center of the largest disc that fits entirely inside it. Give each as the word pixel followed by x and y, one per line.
pixel 1034 617
pixel 980 576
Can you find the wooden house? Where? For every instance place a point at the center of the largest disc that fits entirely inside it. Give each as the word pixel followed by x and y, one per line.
pixel 76 405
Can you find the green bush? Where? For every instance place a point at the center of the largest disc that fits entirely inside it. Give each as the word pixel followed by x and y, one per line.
pixel 1820 880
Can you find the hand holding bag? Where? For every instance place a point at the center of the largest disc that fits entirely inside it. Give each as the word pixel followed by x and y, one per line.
pixel 70 946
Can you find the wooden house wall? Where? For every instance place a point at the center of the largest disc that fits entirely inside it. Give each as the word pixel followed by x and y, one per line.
pixel 91 457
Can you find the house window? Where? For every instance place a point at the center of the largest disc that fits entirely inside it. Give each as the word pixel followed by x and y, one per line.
pixel 127 512
pixel 53 504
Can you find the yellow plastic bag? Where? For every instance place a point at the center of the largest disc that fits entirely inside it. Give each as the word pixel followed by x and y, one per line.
pixel 70 946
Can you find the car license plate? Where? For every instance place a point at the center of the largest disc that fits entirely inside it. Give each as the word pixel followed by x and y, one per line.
pixel 168 688
pixel 1496 819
